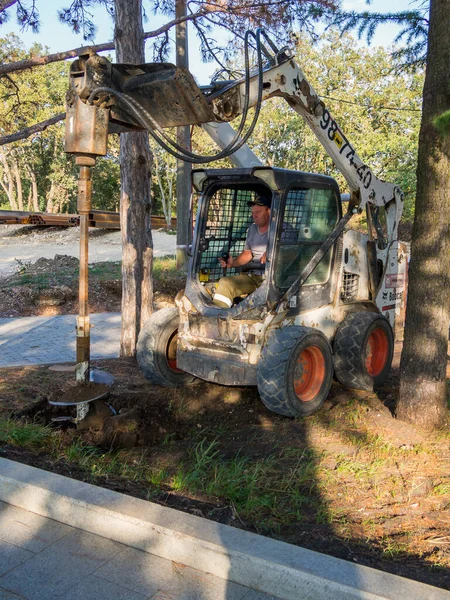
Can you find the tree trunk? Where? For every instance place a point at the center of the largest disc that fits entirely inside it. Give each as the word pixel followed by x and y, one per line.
pixel 168 205
pixel 184 139
pixel 135 203
pixel 30 195
pixel 52 193
pixel 18 179
pixel 8 184
pixel 424 357
pixel 50 204
pixel 4 4
pixel 34 189
pixel 166 202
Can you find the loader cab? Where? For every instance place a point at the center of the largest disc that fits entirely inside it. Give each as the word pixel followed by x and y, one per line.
pixel 305 209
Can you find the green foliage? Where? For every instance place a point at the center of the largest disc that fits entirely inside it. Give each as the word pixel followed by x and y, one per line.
pixel 412 35
pixel 79 18
pixel 30 97
pixel 164 177
pixel 442 123
pixel 106 180
pixel 27 16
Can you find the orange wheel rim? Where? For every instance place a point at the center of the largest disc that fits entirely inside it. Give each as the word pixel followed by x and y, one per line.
pixel 309 374
pixel 171 354
pixel 377 351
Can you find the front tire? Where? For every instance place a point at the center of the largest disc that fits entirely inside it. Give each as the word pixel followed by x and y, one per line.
pixel 363 350
pixel 295 371
pixel 157 349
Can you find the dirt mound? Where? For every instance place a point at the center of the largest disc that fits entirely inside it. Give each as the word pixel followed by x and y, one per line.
pixel 48 233
pixel 49 265
pixel 49 287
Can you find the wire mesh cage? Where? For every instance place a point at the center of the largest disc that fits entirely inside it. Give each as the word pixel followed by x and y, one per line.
pixel 228 220
pixel 312 214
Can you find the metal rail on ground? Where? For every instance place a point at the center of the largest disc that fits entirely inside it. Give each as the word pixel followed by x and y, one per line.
pixel 97 218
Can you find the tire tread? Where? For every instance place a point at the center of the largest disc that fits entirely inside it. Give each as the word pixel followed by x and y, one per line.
pixel 272 369
pixel 147 348
pixel 348 364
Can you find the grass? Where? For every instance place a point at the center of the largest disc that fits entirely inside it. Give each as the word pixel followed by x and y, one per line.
pixel 164 270
pixel 259 489
pixel 393 549
pixel 267 491
pixel 105 271
pixel 164 267
pixel 442 489
pixel 366 440
pixel 40 281
pixel 95 463
pixel 92 460
pixel 25 435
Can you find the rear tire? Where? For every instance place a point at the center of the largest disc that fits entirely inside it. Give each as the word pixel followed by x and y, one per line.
pixel 363 350
pixel 295 370
pixel 157 347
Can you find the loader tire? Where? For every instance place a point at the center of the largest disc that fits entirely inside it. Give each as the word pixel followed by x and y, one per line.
pixel 295 371
pixel 363 350
pixel 156 349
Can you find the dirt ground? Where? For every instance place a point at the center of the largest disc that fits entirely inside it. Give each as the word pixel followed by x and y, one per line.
pixel 45 280
pixel 378 490
pixel 372 490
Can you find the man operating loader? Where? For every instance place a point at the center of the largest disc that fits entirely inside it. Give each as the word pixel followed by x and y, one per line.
pixel 253 257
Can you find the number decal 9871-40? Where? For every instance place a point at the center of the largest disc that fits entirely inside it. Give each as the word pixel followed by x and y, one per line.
pixel 329 125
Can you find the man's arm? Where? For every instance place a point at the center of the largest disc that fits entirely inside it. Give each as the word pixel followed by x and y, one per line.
pixel 244 257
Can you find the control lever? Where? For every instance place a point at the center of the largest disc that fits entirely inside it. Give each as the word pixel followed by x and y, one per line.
pixel 225 256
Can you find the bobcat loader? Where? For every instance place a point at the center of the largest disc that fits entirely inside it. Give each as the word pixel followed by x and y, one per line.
pixel 332 294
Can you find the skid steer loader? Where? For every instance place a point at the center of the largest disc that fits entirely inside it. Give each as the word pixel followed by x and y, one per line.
pixel 332 294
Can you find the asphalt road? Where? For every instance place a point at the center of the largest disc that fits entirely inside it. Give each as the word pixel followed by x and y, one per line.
pixel 46 243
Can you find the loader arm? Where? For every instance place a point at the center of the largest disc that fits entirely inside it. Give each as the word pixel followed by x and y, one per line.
pixel 285 79
pixel 222 134
pixel 169 96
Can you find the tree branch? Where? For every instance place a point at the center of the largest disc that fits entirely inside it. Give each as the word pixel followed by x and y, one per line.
pixel 25 133
pixel 49 58
pixel 59 56
pixel 4 4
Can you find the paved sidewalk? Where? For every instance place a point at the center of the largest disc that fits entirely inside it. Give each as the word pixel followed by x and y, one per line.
pixel 41 559
pixel 43 340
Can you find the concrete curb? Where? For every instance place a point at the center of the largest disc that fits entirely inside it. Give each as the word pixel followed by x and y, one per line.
pixel 266 565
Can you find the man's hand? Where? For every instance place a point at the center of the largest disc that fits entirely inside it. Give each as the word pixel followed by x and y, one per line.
pixel 226 263
pixel 244 257
pixel 263 259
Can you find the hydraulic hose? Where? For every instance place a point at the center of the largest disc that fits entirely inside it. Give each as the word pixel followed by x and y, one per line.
pixel 145 119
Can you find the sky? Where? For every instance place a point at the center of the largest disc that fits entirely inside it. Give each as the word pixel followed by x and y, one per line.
pixel 59 37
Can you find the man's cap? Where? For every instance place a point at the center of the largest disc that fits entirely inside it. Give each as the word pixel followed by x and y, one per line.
pixel 261 201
